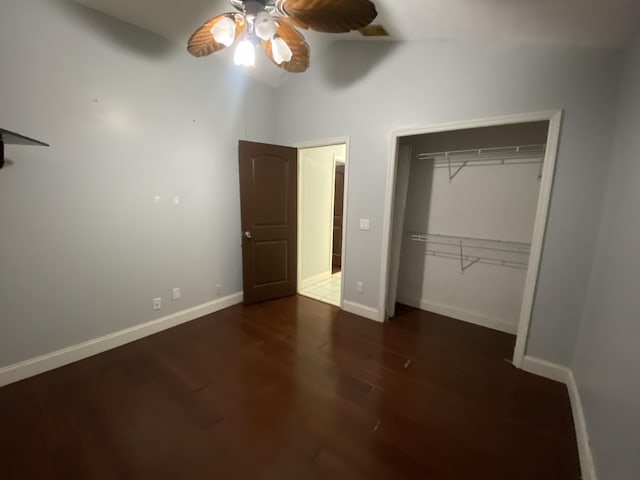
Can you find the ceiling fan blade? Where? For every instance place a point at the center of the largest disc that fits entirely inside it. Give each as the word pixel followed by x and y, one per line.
pixel 299 49
pixel 202 42
pixel 332 16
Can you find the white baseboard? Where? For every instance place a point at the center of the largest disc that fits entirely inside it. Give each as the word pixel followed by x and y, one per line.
pixel 459 314
pixel 563 374
pixel 543 368
pixel 584 446
pixel 361 310
pixel 315 279
pixel 34 366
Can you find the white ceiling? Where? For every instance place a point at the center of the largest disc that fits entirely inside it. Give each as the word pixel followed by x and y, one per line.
pixel 590 23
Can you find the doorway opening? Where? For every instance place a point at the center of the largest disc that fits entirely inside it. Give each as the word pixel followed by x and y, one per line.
pixel 465 219
pixel 322 168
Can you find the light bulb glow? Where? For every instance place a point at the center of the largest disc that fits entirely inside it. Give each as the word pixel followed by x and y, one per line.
pixel 264 25
pixel 280 50
pixel 245 54
pixel 224 31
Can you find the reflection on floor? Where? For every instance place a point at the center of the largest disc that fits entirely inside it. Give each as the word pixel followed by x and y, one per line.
pixel 327 290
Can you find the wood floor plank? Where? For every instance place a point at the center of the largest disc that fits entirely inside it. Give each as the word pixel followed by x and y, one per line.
pixel 293 388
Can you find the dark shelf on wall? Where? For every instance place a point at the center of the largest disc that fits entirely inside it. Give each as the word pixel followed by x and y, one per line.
pixel 12 138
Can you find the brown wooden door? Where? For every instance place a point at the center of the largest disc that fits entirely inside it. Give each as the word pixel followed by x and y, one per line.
pixel 338 207
pixel 268 207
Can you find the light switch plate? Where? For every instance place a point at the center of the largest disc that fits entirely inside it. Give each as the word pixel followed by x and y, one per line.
pixel 365 224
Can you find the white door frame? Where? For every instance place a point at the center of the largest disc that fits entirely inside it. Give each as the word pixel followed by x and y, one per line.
pixel 554 117
pixel 325 143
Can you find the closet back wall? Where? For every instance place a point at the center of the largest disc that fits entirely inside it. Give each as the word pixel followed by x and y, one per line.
pixel 495 202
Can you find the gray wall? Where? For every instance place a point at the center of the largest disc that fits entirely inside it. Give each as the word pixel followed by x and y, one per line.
pixel 83 246
pixel 607 355
pixel 366 90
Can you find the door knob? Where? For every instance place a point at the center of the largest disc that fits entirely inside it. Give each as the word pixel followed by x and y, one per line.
pixel 247 234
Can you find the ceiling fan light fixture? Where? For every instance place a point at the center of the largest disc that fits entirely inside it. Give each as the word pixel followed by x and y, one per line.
pixel 265 27
pixel 273 26
pixel 224 31
pixel 280 50
pixel 245 54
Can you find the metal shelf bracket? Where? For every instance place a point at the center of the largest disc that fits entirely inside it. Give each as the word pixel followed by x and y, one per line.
pixel 9 137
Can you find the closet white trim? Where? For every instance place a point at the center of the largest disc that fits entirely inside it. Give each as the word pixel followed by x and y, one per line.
pixel 546 181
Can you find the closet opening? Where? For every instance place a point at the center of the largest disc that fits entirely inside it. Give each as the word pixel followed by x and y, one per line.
pixel 321 205
pixel 467 210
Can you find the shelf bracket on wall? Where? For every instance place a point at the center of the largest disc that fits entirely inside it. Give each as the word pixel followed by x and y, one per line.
pixel 451 175
pixel 13 138
pixel 463 267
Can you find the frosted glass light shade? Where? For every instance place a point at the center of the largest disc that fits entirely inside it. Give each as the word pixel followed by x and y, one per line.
pixel 281 51
pixel 265 26
pixel 224 31
pixel 245 54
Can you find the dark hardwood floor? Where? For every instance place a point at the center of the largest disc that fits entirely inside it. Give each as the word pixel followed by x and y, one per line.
pixel 296 389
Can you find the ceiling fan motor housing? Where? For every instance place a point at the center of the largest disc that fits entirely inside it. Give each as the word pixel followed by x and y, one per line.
pixel 252 7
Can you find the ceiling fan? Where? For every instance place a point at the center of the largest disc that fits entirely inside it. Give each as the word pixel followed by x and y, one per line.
pixel 272 25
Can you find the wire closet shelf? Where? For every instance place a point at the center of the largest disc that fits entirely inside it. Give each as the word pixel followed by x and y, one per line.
pixel 471 250
pixel 456 160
